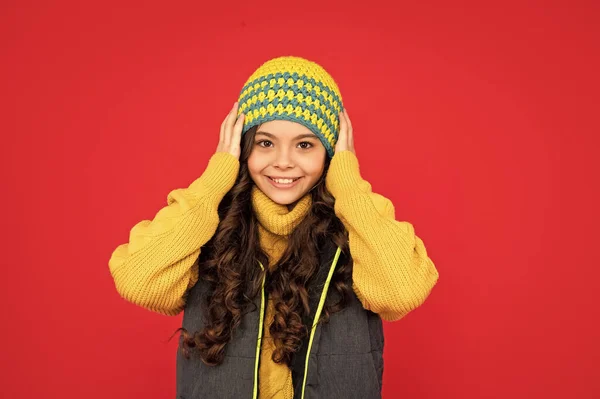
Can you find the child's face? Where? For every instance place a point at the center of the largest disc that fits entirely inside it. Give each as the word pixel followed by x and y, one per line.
pixel 286 149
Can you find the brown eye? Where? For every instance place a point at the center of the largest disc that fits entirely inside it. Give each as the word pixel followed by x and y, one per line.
pixel 306 142
pixel 263 141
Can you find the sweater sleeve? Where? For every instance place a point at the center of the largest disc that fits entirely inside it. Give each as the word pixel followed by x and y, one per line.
pixel 392 273
pixel 159 264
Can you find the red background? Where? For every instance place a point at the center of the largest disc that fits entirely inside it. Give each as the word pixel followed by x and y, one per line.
pixel 480 122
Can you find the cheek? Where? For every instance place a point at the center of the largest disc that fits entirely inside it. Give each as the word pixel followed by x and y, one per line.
pixel 255 166
pixel 316 162
pixel 313 168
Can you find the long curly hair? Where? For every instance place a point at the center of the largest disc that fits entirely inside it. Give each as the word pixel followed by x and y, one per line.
pixel 228 262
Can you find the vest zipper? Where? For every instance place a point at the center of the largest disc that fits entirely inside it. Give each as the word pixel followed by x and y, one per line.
pixel 260 332
pixel 317 315
pixel 312 331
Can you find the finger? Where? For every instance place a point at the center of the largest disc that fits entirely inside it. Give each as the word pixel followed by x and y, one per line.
pixel 229 122
pixel 347 118
pixel 343 128
pixel 350 129
pixel 237 130
pixel 222 131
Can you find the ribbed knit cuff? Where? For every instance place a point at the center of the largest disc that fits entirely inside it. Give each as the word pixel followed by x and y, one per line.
pixel 218 177
pixel 343 177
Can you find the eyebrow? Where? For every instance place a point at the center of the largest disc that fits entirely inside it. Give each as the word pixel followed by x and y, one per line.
pixel 300 136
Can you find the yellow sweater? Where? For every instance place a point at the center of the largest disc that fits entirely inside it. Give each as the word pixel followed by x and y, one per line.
pixel 392 273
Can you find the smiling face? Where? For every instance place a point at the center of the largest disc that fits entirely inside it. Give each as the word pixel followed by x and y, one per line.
pixel 286 161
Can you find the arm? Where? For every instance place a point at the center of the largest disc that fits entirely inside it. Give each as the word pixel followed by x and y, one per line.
pixel 159 263
pixel 392 273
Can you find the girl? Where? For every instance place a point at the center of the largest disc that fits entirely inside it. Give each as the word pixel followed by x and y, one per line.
pixel 282 259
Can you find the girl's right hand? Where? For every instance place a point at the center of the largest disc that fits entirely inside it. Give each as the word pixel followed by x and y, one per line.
pixel 231 133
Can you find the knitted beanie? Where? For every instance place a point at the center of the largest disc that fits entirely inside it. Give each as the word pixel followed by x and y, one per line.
pixel 293 89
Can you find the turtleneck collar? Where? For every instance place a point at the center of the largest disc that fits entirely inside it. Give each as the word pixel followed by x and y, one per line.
pixel 276 218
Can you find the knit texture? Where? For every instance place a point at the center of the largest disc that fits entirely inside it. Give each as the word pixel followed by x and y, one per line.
pixel 392 272
pixel 295 89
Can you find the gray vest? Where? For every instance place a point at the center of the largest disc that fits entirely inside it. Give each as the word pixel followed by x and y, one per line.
pixel 345 355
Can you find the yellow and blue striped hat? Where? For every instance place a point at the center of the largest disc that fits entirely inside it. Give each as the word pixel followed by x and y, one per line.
pixel 294 89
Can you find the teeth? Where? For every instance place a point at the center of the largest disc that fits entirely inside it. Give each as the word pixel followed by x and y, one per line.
pixel 283 181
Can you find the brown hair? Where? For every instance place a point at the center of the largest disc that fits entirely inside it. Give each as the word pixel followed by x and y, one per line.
pixel 228 262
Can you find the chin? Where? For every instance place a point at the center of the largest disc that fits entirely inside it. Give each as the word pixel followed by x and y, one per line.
pixel 281 197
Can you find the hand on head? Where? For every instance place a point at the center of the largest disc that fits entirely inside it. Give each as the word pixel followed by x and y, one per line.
pixel 231 132
pixel 346 138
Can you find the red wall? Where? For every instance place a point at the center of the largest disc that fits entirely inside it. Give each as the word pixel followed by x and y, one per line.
pixel 479 122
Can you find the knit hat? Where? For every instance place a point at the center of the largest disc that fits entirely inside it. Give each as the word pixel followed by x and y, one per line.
pixel 293 89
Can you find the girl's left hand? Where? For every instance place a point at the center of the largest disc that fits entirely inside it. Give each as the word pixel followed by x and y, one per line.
pixel 345 139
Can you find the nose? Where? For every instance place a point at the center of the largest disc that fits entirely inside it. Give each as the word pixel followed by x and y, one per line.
pixel 283 159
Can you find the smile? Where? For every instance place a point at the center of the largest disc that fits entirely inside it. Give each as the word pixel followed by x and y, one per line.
pixel 284 183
